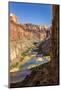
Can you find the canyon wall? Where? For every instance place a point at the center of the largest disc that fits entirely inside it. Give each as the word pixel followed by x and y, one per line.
pixel 23 36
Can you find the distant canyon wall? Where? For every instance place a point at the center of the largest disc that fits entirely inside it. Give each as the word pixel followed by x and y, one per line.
pixel 27 31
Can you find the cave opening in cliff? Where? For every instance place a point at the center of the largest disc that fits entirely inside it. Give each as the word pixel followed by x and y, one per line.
pixel 34 43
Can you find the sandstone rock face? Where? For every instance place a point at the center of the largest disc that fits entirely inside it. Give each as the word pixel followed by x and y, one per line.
pixel 14 18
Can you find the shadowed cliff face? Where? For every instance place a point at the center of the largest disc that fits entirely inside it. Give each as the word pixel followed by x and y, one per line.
pixel 55 34
pixel 46 74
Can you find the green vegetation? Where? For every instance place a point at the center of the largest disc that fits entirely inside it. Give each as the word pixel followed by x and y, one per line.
pixel 14 65
pixel 26 52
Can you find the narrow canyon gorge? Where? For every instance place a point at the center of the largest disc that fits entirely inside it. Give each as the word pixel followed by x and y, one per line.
pixel 28 38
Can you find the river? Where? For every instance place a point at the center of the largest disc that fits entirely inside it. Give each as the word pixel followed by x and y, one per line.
pixel 20 75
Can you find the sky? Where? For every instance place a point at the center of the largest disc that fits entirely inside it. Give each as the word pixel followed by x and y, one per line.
pixel 39 14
